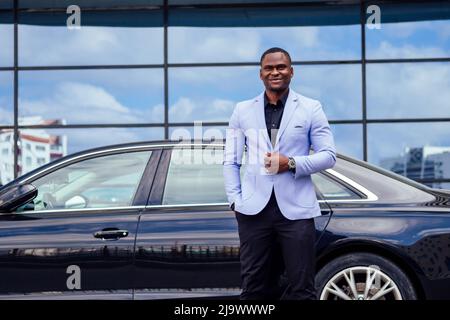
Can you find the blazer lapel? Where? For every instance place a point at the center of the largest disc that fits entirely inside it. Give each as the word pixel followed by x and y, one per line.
pixel 261 118
pixel 289 108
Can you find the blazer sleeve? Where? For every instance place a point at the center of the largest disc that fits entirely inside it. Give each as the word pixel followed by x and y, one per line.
pixel 234 148
pixel 322 142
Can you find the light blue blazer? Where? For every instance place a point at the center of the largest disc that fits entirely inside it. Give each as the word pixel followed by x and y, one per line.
pixel 303 125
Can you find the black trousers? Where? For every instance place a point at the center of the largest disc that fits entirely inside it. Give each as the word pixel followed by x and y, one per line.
pixel 260 236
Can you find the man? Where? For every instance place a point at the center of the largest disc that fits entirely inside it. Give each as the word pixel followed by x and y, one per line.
pixel 276 201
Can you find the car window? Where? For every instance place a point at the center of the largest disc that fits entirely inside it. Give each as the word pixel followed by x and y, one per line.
pixel 102 182
pixel 195 176
pixel 332 190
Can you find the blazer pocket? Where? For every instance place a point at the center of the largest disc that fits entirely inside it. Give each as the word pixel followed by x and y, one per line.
pixel 298 131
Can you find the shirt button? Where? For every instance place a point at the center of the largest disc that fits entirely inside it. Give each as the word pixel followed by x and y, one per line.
pixel 273 125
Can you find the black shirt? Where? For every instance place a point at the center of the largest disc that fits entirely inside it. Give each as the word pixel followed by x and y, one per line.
pixel 273 114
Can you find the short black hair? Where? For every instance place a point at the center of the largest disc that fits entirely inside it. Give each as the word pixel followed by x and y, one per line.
pixel 273 50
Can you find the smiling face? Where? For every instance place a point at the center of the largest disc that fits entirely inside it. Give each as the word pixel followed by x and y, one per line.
pixel 276 72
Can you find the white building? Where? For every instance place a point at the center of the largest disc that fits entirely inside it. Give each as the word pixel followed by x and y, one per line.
pixel 36 147
pixel 426 162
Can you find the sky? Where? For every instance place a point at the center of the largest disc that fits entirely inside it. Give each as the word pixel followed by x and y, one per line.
pixel 210 93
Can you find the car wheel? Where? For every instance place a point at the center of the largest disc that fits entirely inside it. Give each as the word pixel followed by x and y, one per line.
pixel 363 276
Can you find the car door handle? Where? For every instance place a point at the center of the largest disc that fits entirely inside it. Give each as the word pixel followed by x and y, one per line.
pixel 111 234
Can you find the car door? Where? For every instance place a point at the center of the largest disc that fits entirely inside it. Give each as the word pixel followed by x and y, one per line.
pixel 188 243
pixel 76 239
pixel 333 192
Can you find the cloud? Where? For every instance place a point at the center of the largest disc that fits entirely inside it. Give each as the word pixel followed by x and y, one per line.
pixel 387 50
pixel 306 37
pixel 150 81
pixel 188 110
pixel 214 44
pixel 40 45
pixel 6 116
pixel 82 103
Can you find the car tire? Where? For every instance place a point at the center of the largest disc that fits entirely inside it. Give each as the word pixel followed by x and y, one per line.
pixel 357 268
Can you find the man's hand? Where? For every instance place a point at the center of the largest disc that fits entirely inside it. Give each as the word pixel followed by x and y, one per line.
pixel 275 163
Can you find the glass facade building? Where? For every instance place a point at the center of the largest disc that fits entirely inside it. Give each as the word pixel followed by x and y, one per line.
pixel 150 70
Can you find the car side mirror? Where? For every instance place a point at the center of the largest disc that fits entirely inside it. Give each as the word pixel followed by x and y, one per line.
pixel 15 196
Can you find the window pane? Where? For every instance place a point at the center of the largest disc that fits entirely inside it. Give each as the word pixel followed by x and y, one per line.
pixel 411 30
pixel 348 139
pixel 195 176
pixel 6 39
pixel 6 156
pixel 93 96
pixel 415 150
pixel 331 190
pixel 337 87
pixel 102 182
pixel 196 44
pixel 45 145
pixel 211 93
pixel 6 98
pixel 45 39
pixel 408 90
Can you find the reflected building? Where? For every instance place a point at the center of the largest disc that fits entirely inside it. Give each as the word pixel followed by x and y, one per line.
pixel 421 163
pixel 35 147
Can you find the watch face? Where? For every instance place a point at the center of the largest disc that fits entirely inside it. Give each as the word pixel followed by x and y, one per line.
pixel 291 163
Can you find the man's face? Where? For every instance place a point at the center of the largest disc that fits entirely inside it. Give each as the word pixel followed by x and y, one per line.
pixel 276 72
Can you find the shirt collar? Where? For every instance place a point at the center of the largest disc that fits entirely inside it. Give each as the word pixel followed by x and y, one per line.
pixel 283 99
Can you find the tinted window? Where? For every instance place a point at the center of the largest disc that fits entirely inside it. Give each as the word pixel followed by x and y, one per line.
pixel 108 181
pixel 195 176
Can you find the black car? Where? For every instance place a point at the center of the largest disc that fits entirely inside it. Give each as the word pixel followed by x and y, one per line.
pixel 151 220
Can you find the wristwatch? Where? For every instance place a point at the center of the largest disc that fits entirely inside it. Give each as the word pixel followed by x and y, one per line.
pixel 291 164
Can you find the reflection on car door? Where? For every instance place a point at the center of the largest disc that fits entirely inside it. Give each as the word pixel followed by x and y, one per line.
pixel 49 249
